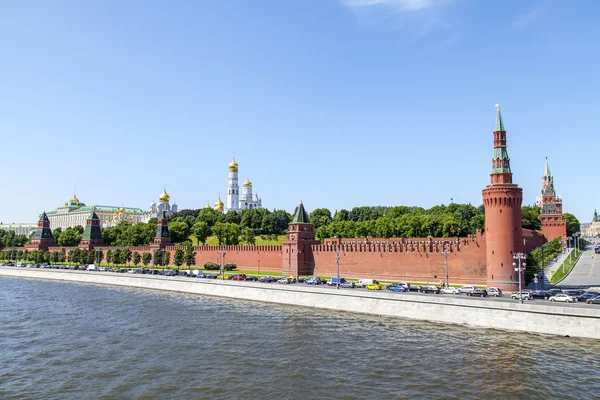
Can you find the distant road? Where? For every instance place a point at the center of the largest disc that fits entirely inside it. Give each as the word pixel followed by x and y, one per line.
pixel 586 272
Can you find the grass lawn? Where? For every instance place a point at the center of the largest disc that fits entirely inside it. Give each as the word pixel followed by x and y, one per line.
pixel 566 267
pixel 213 241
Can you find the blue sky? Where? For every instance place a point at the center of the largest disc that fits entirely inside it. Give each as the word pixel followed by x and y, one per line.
pixel 340 103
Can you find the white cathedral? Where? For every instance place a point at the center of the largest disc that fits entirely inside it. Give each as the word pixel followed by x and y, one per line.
pixel 234 202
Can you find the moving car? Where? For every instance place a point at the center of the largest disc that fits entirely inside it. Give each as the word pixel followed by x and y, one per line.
pixel 595 300
pixel 449 290
pixel 397 287
pixel 521 295
pixel 565 298
pixel 466 289
pixel 478 293
pixel 542 294
pixel 430 289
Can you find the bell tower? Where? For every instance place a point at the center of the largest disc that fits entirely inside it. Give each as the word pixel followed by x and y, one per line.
pixel 503 226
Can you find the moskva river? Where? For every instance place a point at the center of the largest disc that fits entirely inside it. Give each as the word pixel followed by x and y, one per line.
pixel 75 341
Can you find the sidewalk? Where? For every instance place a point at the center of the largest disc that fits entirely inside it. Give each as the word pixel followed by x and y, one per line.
pixel 549 271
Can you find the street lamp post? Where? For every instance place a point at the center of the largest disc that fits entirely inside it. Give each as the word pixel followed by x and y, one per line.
pixel 222 261
pixel 543 248
pixel 519 266
pixel 337 266
pixel 298 251
pixel 445 253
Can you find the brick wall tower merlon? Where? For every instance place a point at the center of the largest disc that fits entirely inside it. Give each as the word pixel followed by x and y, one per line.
pixel 502 200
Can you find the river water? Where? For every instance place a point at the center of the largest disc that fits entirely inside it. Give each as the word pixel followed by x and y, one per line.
pixel 74 341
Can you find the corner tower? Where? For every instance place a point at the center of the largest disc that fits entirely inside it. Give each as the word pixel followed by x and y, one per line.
pixel 550 203
pixel 503 226
pixel 162 237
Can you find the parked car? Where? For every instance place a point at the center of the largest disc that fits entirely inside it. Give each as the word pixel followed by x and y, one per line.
pixel 430 289
pixel 239 277
pixel 334 281
pixel 267 279
pixel 375 285
pixel 595 300
pixel 415 288
pixel 450 290
pixel 251 278
pixel 466 289
pixel 314 280
pixel 574 293
pixel 562 298
pixel 284 279
pixel 555 291
pixel 541 294
pixel 478 293
pixel 171 272
pixel 210 276
pixel 495 292
pixel 348 284
pixel 397 287
pixel 521 295
pixel 364 282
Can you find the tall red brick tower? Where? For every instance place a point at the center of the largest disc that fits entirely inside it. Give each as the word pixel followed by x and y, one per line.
pixel 553 225
pixel 503 231
pixel 297 251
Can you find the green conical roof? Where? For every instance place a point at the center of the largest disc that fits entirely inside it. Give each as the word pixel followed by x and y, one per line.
pixel 94 216
pixel 44 217
pixel 499 123
pixel 301 216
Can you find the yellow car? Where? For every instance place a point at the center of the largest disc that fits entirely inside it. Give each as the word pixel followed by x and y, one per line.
pixel 374 286
pixel 226 277
pixel 292 279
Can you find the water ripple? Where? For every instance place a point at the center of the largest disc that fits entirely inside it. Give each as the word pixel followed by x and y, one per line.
pixel 68 340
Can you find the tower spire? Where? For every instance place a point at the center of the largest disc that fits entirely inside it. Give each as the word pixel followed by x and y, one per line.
pixel 547 169
pixel 499 123
pixel 501 173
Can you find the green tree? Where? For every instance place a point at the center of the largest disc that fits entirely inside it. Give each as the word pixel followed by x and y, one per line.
pixel 530 217
pixel 573 225
pixel 136 258
pixel 190 256
pixel 109 256
pixel 146 258
pixel 320 217
pixel 127 254
pixel 70 237
pixel 178 257
pixel 226 233
pixel 167 257
pixel 247 236
pixel 201 230
pixel 179 231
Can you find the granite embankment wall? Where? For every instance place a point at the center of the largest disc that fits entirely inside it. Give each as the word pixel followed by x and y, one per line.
pixel 530 317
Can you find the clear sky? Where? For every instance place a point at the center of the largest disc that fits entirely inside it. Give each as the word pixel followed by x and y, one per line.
pixel 340 103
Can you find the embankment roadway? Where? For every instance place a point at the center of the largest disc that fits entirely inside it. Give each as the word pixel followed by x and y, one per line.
pixel 533 317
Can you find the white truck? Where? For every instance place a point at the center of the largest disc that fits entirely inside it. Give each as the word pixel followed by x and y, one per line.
pixel 93 267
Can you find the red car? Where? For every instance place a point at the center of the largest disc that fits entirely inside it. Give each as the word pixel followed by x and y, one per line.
pixel 239 277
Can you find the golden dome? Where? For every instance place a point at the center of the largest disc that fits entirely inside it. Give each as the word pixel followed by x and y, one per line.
pixel 74 199
pixel 207 205
pixel 248 183
pixel 233 166
pixel 164 197
pixel 121 210
pixel 219 205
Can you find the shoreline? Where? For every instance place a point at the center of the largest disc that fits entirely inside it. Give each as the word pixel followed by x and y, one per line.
pixel 530 317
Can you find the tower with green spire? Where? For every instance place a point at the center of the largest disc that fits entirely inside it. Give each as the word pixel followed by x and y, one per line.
pixel 92 234
pixel 42 238
pixel 551 209
pixel 298 258
pixel 503 226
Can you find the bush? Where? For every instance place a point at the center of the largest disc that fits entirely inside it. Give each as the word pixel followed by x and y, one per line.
pixel 211 266
pixel 229 267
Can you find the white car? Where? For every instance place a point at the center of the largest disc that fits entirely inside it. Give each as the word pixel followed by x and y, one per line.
pixel 449 290
pixel 562 297
pixel 466 289
pixel 494 292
